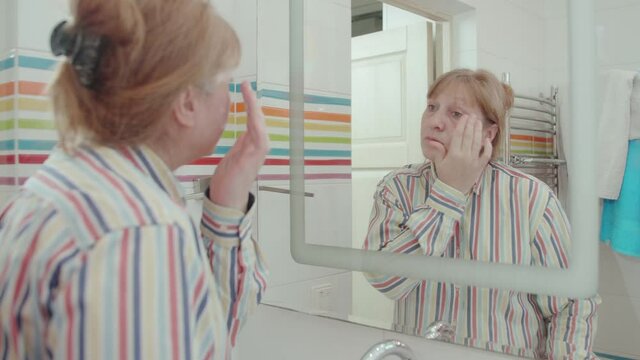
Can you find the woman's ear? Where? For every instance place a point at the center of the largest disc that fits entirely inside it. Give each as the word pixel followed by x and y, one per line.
pixel 490 132
pixel 184 108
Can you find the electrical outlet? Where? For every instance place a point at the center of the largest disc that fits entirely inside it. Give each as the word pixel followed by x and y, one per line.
pixel 321 298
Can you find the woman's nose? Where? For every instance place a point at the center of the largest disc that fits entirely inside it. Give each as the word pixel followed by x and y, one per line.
pixel 436 119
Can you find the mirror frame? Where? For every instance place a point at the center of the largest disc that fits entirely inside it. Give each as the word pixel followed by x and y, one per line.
pixel 580 280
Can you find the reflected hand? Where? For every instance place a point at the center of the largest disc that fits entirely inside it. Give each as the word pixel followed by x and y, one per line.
pixel 464 161
pixel 232 180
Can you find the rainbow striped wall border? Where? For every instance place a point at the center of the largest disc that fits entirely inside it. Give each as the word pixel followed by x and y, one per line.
pixel 27 133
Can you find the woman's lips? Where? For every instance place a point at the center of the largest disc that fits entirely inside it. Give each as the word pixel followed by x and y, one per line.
pixel 433 140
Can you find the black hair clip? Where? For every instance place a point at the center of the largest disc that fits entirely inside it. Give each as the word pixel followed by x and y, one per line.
pixel 81 48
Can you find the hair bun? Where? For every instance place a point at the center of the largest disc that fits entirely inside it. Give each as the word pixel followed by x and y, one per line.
pixel 63 40
pixel 81 48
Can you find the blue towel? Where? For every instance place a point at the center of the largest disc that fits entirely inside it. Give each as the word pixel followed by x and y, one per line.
pixel 621 218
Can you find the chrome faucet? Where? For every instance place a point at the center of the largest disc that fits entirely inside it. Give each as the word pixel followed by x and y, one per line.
pixel 441 331
pixel 437 330
pixel 389 347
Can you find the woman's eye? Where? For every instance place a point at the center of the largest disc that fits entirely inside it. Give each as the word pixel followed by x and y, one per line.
pixel 431 107
pixel 456 114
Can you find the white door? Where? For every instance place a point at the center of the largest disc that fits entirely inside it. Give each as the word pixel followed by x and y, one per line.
pixel 389 81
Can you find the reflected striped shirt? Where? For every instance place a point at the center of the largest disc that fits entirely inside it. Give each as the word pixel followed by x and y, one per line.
pixel 100 260
pixel 508 217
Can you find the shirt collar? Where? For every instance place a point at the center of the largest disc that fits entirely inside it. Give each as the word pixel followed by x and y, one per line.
pixel 151 165
pixel 477 186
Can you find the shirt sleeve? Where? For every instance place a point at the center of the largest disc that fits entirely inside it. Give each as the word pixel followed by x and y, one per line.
pixel 235 259
pixel 571 323
pixel 428 229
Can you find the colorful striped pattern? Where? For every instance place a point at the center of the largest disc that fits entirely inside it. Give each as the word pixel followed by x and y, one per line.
pixel 327 136
pixel 101 260
pixel 531 143
pixel 509 217
pixel 27 133
pixel 7 125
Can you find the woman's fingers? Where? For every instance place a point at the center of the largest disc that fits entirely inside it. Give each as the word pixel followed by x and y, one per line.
pixel 477 141
pixel 469 131
pixel 239 168
pixel 457 138
pixel 256 126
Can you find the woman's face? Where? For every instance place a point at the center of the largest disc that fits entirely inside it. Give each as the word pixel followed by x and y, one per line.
pixel 443 112
pixel 212 116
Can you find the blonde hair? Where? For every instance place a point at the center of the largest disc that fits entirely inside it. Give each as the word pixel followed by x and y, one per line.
pixel 154 50
pixel 493 97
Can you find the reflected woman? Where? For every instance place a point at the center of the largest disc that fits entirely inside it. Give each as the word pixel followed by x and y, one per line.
pixel 462 203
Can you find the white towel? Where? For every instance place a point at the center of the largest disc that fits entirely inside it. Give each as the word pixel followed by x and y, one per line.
pixel 613 132
pixel 634 126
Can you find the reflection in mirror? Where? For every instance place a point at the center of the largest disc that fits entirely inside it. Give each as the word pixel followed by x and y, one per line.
pixel 463 202
pixel 509 215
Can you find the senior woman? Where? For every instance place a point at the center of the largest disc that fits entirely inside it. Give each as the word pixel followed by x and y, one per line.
pixel 100 258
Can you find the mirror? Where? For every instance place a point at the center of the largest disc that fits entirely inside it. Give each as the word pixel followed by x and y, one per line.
pixel 393 59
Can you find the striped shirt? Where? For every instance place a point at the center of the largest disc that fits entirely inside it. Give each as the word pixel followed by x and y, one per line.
pixel 508 217
pixel 100 260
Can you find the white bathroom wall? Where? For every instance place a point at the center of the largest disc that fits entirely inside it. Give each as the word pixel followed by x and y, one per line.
pixel 243 17
pixel 508 37
pixel 8 25
pixel 36 19
pixel 464 40
pixel 617 28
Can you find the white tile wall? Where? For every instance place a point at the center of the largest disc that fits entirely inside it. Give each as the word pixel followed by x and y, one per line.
pixel 465 32
pixel 531 6
pixel 8 25
pixel 466 59
pixel 243 17
pixel 301 295
pixel 556 44
pixel 612 4
pixel 34 26
pixel 507 36
pixel 273 42
pixel 369 305
pixel 619 40
pixel 327 50
pixel 274 237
